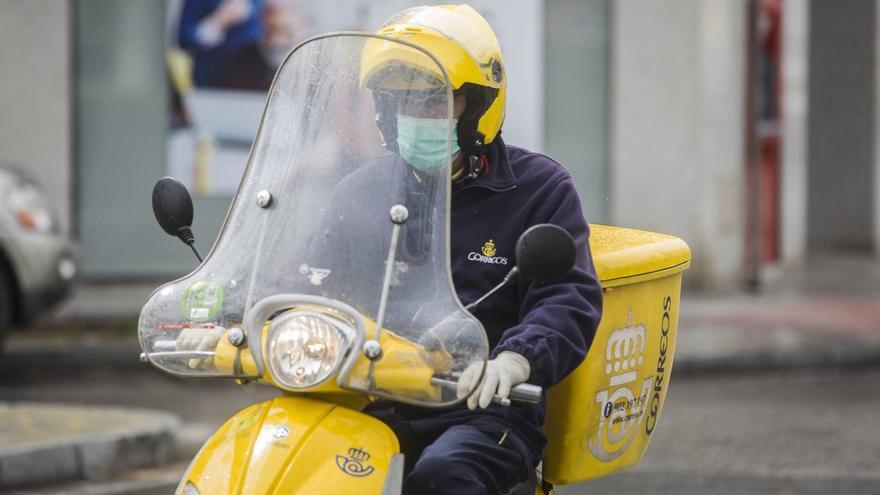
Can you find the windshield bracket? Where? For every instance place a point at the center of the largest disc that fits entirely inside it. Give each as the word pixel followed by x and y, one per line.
pixel 399 215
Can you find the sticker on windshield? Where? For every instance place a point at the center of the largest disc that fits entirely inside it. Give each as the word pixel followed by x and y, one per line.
pixel 201 301
pixel 315 275
pixel 400 267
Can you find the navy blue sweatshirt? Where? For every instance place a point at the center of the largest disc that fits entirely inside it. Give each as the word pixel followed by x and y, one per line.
pixel 552 325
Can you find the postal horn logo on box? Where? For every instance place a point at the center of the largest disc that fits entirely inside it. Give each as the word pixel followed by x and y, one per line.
pixel 622 405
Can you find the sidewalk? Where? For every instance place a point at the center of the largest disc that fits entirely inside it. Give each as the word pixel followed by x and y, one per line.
pixel 42 443
pixel 826 313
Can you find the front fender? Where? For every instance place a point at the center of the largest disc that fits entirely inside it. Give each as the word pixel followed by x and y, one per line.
pixel 294 445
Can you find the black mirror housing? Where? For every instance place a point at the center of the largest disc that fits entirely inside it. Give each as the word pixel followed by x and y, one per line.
pixel 545 253
pixel 172 206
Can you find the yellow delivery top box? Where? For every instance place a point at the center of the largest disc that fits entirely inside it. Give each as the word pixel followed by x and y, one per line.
pixel 601 417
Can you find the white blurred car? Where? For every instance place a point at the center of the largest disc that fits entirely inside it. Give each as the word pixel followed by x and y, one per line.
pixel 37 264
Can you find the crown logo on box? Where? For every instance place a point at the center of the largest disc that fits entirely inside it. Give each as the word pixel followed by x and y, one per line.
pixel 358 454
pixel 625 351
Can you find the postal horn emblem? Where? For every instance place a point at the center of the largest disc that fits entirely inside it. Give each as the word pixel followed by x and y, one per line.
pixel 355 463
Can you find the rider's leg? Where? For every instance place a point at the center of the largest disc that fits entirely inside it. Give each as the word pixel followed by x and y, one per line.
pixel 469 459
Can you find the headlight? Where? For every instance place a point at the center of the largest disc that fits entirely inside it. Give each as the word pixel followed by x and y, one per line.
pixel 30 208
pixel 305 347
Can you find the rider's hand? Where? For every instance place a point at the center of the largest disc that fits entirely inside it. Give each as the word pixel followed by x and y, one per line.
pixel 231 12
pixel 507 370
pixel 199 339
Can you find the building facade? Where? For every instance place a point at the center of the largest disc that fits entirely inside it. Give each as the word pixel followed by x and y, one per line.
pixel 656 108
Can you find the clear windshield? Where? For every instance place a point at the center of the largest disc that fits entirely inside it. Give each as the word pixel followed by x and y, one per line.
pixel 312 217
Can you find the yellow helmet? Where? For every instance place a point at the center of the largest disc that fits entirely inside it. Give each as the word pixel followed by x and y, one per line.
pixel 466 47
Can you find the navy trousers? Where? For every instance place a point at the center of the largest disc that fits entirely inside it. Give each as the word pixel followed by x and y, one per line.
pixel 480 454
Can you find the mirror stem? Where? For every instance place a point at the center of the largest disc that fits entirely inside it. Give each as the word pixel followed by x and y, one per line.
pixel 186 235
pixel 196 252
pixel 512 274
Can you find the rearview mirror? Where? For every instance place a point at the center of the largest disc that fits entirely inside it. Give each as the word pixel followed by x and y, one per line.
pixel 545 252
pixel 173 208
pixel 172 205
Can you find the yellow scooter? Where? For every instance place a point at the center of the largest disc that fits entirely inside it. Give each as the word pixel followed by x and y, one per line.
pixel 337 305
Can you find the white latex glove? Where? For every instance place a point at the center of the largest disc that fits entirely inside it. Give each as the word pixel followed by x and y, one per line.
pixel 199 339
pixel 506 371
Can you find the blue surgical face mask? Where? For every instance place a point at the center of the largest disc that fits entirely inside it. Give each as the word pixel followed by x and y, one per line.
pixel 423 142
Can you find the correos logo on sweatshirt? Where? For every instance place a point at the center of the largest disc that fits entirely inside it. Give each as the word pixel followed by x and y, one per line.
pixel 487 255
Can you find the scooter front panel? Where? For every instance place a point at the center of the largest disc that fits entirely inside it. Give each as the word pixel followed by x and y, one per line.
pixel 348 452
pixel 295 445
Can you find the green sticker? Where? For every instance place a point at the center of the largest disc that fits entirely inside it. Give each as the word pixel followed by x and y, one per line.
pixel 201 301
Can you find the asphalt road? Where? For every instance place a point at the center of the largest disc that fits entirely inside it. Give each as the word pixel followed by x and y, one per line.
pixel 793 432
pixel 788 432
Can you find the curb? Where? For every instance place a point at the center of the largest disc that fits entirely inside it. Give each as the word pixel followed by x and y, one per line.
pixel 152 481
pixel 44 443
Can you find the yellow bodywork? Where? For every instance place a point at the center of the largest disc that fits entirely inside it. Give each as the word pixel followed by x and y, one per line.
pixel 405 369
pixel 601 418
pixel 294 445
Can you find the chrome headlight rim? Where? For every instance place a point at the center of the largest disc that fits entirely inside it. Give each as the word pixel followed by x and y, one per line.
pixel 262 310
pixel 341 327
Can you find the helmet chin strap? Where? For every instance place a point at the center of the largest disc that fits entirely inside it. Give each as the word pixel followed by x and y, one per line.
pixel 474 167
pixel 471 168
pixel 474 156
